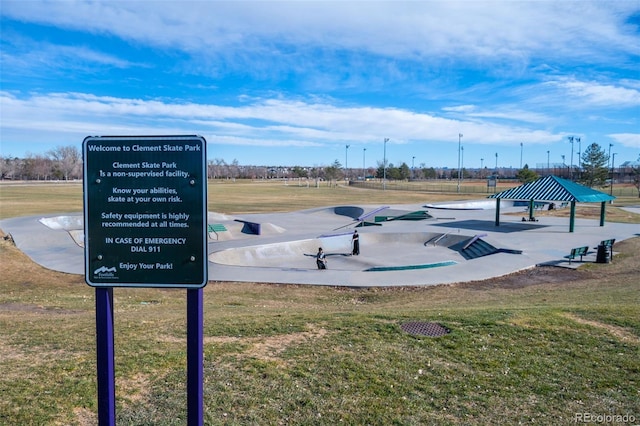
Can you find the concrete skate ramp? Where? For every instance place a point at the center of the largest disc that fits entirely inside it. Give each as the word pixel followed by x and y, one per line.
pixel 352 212
pixel 282 254
pixel 485 204
pixel 66 223
pixel 213 217
pixel 378 250
pixel 488 225
pixel 73 224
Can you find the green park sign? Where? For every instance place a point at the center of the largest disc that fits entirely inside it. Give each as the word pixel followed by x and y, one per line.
pixel 145 211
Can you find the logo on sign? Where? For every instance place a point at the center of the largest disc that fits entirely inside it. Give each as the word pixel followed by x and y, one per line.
pixel 105 272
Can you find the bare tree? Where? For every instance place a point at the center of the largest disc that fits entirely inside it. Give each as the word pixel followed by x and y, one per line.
pixel 42 167
pixel 234 169
pixel 67 159
pixel 4 166
pixel 10 167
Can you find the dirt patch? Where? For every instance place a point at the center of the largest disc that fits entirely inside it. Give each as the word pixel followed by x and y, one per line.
pixel 85 417
pixel 619 332
pixel 37 309
pixel 268 348
pixel 271 347
pixel 135 388
pixel 534 276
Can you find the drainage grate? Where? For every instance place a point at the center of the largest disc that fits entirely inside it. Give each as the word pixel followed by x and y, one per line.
pixel 431 329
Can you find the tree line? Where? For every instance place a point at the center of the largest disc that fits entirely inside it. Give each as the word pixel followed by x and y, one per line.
pixel 60 163
pixel 65 163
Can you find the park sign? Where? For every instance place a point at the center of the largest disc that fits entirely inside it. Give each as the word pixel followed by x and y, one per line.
pixel 145 211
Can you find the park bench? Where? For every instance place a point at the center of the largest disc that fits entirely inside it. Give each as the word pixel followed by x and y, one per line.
pixel 605 251
pixel 608 243
pixel 578 251
pixel 215 228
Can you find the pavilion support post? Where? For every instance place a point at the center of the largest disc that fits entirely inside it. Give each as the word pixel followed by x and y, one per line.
pixel 497 211
pixel 572 216
pixel 603 212
pixel 531 208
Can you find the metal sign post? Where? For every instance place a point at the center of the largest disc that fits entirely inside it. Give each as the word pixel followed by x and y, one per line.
pixel 145 221
pixel 105 356
pixel 195 369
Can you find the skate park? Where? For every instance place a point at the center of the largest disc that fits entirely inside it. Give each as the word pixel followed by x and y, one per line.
pixel 400 245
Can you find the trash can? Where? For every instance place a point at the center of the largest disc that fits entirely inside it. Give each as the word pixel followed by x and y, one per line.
pixel 602 256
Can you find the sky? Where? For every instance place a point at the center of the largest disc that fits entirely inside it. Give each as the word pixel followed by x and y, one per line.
pixel 285 83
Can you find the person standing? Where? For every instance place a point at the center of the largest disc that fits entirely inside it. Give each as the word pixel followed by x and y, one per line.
pixel 321 259
pixel 355 243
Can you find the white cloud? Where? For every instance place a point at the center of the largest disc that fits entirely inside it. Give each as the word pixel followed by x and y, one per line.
pixel 262 122
pixel 499 112
pixel 630 140
pixel 460 108
pixel 488 30
pixel 597 94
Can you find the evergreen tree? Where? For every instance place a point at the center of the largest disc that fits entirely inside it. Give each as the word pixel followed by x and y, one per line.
pixel 404 171
pixel 380 170
pixel 393 172
pixel 429 173
pixel 526 175
pixel 299 172
pixel 594 166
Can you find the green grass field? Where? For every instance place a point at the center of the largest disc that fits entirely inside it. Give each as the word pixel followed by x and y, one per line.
pixel 539 347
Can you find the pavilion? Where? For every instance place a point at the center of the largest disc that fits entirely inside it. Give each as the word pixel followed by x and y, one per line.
pixel 554 189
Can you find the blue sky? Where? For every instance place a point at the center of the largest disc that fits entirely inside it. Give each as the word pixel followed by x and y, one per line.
pixel 295 82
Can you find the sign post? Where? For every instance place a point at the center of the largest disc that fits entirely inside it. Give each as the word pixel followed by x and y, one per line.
pixel 105 356
pixel 145 221
pixel 195 373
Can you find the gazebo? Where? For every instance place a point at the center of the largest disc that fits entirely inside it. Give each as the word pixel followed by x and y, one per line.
pixel 553 188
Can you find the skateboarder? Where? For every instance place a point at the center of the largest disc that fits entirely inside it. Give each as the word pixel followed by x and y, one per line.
pixel 321 260
pixel 356 243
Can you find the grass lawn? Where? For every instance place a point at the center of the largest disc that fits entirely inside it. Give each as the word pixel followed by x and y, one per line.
pixel 537 347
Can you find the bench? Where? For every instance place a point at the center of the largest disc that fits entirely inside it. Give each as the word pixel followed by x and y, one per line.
pixel 215 228
pixel 608 243
pixel 605 251
pixel 578 251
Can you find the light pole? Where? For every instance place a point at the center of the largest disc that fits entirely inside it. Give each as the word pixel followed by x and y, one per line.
pixel 459 153
pixel 496 163
pixel 413 162
pixel 384 165
pixel 346 158
pixel 579 159
pixel 521 155
pixel 609 159
pixel 571 138
pixel 548 171
pixel 613 160
pixel 364 169
pixel 462 162
pixel 481 163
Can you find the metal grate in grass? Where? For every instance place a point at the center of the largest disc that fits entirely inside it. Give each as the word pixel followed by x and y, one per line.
pixel 431 329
